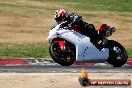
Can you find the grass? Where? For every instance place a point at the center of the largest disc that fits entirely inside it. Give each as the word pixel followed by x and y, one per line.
pixel 27 50
pixel 106 5
pixel 24 24
pixel 129 51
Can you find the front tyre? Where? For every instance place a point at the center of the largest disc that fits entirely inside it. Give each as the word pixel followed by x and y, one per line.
pixel 65 57
pixel 117 54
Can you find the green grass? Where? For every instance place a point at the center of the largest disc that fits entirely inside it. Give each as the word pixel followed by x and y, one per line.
pixel 106 5
pixel 27 50
pixel 129 51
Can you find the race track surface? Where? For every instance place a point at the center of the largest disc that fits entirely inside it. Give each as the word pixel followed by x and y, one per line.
pixel 64 69
pixel 49 66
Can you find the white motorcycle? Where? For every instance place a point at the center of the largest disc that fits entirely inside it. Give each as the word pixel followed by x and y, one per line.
pixel 67 46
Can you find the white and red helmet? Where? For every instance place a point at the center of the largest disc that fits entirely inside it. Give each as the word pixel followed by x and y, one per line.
pixel 61 15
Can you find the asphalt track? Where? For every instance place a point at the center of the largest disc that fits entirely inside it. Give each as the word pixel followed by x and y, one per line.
pixel 49 66
pixel 64 69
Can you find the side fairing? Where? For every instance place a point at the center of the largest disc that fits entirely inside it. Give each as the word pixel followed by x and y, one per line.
pixel 85 50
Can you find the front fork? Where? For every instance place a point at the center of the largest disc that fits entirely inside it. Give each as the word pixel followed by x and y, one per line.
pixel 61 45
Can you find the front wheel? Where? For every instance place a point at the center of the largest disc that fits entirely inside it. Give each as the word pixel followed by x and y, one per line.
pixel 117 54
pixel 65 57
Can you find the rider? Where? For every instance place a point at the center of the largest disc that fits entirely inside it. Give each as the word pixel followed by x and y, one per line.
pixel 76 22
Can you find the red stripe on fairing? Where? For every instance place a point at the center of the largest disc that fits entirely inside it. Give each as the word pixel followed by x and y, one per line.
pixel 13 61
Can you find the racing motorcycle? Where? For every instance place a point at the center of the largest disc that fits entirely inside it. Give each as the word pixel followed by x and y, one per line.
pixel 67 46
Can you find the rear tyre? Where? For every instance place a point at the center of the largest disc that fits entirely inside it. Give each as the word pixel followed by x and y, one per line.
pixel 65 57
pixel 117 54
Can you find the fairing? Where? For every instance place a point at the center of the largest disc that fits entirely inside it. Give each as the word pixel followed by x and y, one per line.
pixel 85 50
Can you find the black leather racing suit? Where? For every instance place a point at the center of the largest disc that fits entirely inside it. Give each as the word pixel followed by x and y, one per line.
pixel 85 28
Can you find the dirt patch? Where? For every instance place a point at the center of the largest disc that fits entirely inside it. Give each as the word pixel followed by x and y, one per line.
pixel 23 30
pixel 54 80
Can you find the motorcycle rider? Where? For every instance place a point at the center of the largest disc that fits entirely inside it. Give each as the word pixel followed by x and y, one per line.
pixel 76 23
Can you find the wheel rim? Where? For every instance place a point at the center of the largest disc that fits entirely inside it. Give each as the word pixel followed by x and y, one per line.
pixel 119 52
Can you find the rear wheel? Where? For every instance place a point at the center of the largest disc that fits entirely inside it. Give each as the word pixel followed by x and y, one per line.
pixel 117 54
pixel 64 57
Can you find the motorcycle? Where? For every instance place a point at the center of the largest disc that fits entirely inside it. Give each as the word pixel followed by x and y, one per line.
pixel 67 46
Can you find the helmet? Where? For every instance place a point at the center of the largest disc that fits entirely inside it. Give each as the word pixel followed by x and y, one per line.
pixel 60 15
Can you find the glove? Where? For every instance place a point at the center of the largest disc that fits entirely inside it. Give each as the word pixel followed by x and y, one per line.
pixel 77 18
